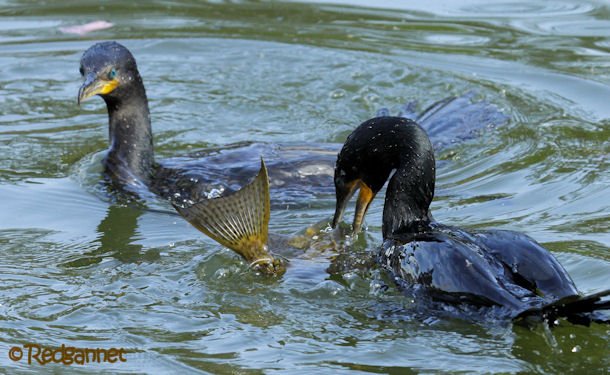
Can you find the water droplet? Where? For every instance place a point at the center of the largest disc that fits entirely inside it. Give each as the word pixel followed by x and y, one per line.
pixel 221 273
pixel 337 94
pixel 215 193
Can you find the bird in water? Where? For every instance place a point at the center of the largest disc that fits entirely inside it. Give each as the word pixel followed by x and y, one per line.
pixel 500 268
pixel 207 188
pixel 236 218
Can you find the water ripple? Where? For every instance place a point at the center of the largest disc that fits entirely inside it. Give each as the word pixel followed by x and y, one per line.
pixel 80 269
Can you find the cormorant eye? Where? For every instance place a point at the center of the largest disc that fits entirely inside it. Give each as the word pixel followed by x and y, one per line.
pixel 82 71
pixel 112 74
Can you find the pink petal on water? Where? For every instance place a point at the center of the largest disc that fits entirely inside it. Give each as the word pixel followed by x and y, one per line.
pixel 86 28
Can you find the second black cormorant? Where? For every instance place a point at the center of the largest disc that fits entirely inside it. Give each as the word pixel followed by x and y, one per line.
pixel 498 268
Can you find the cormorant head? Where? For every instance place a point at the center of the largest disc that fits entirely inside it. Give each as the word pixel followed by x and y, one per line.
pixel 109 70
pixel 373 151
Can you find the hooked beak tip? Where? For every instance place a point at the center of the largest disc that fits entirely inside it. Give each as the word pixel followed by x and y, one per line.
pixel 343 196
pixel 338 215
pixel 89 88
pixel 81 94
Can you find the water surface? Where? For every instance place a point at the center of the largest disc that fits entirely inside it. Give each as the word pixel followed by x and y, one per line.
pixel 78 269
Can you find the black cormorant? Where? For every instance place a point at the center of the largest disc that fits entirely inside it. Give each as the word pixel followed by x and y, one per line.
pixel 236 219
pixel 484 268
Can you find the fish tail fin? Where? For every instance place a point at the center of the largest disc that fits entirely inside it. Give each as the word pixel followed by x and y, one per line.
pixel 239 221
pixel 582 310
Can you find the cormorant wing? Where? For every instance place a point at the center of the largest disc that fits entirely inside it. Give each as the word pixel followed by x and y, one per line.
pixel 531 265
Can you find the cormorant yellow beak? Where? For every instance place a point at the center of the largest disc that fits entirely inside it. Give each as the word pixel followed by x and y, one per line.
pixel 95 86
pixel 365 197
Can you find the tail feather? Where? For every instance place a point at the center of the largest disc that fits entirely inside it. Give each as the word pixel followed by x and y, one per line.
pixel 239 221
pixel 576 309
pixel 459 118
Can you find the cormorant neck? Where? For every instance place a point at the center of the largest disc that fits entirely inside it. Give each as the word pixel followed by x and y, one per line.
pixel 409 193
pixel 130 156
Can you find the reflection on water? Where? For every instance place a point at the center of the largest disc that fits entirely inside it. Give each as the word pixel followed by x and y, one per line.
pixel 78 269
pixel 116 236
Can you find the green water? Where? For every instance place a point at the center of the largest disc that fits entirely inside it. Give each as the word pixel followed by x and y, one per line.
pixel 76 269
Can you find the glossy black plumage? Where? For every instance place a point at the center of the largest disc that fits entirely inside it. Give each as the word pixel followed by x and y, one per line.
pixel 486 268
